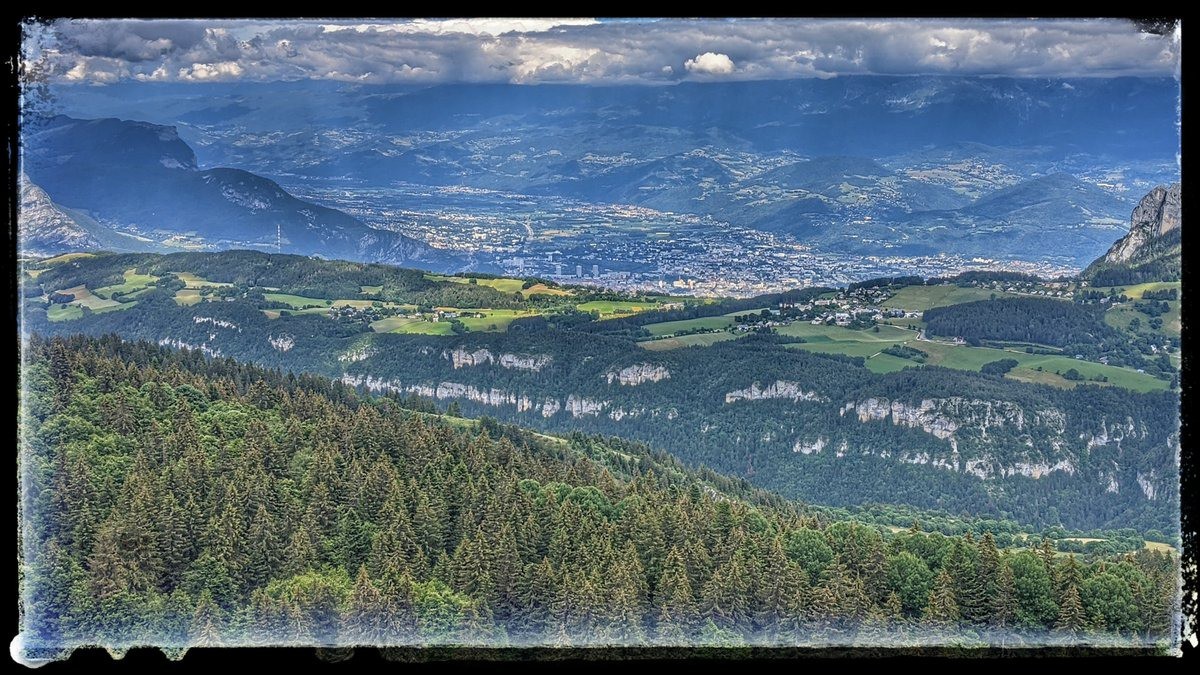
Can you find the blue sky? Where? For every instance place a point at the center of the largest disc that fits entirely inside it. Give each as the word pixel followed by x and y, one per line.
pixel 589 51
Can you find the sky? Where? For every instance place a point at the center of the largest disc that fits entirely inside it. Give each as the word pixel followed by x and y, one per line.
pixel 587 51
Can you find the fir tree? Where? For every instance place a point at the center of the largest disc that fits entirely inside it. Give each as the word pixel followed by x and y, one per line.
pixel 1071 618
pixel 968 585
pixel 674 602
pixel 724 598
pixel 206 622
pixel 1004 602
pixel 942 609
pixel 365 621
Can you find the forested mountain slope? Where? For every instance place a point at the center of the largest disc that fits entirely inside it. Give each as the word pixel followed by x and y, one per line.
pixel 813 426
pixel 181 500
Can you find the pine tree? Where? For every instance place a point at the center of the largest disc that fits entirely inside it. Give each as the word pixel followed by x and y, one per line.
pixel 300 555
pixel 1004 602
pixel 1068 574
pixel 783 594
pixel 942 608
pixel 850 603
pixel 471 571
pixel 987 576
pixel 968 588
pixel 364 621
pixel 262 556
pixel 621 593
pixel 206 622
pixel 267 624
pixel 62 373
pixel 174 545
pixel 504 565
pixel 399 613
pixel 536 593
pixel 353 541
pixel 674 603
pixel 1046 553
pixel 109 571
pixel 1071 618
pixel 724 598
pixel 428 527
pixel 893 610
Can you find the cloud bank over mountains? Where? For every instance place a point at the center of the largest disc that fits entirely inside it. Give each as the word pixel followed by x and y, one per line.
pixel 588 51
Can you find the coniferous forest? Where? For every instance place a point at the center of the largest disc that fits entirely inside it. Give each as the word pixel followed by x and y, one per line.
pixel 184 500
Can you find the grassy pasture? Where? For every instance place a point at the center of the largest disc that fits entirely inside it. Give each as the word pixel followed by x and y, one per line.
pixel 407 324
pixel 83 298
pixel 190 293
pixel 921 298
pixel 134 283
pixel 194 281
pixel 609 308
pixel 703 323
pixel 696 339
pixel 66 257
pixel 502 285
pixel 543 289
pixel 1137 290
pixel 297 301
pixel 495 320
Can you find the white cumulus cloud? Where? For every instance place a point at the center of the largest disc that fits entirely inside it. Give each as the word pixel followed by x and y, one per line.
pixel 211 71
pixel 710 63
pixel 587 51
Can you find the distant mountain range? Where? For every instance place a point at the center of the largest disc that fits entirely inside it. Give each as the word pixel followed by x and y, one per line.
pixel 990 167
pixel 136 186
pixel 1047 214
pixel 1152 250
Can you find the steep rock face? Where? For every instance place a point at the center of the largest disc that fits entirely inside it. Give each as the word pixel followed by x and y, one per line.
pixel 1158 213
pixel 461 358
pixel 574 405
pixel 1151 250
pixel 955 419
pixel 521 362
pixel 637 374
pixel 219 323
pixel 454 390
pixel 813 448
pixel 778 389
pixel 579 406
pixel 979 438
pixel 180 344
pixel 1147 483
pixel 282 343
pixel 943 417
pixel 358 354
pixel 45 228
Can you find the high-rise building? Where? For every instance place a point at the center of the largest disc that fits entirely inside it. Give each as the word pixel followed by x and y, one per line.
pixel 579 271
pixel 595 271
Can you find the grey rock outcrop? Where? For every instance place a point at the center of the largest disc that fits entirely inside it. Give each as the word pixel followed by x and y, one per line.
pixel 1158 213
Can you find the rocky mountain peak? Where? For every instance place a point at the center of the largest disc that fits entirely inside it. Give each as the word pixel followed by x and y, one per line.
pixel 1158 213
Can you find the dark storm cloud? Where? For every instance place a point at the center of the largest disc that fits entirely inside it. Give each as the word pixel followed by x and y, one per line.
pixel 586 51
